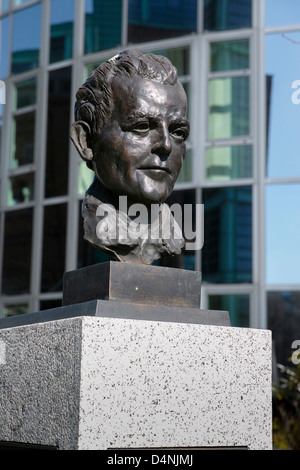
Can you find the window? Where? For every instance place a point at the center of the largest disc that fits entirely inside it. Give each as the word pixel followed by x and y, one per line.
pixel 23 140
pixel 15 309
pixel 227 249
pixel 17 252
pixel 284 322
pixel 228 107
pixel 25 93
pixel 283 73
pixel 282 13
pixel 231 14
pixel 229 55
pixel 4 50
pixel 20 188
pixel 150 20
pixel 57 164
pixel 238 306
pixel 61 41
pixel 186 260
pixel 103 24
pixel 228 111
pixel 282 234
pixel 4 5
pixel 21 174
pixel 26 39
pixel 228 162
pixel 54 247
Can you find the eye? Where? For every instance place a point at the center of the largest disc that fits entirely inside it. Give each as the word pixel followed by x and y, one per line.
pixel 179 133
pixel 141 128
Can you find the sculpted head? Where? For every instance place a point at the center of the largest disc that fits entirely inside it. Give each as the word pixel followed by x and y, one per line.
pixel 131 126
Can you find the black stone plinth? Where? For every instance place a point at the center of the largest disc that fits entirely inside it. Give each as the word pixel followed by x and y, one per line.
pixel 126 310
pixel 127 282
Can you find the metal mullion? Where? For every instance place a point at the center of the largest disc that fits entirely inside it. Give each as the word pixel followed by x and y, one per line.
pixel 40 154
pixel 228 35
pixel 229 74
pixel 282 29
pixel 25 110
pixel 230 182
pixel 259 131
pixel 77 79
pixel 124 22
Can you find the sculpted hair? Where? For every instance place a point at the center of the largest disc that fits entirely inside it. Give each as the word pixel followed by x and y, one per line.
pixel 94 103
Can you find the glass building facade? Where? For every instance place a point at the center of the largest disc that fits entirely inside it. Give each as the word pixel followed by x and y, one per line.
pixel 239 63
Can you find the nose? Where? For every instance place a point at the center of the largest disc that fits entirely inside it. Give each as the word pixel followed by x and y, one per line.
pixel 162 145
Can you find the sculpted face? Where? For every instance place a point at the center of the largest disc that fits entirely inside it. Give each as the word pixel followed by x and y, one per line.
pixel 140 150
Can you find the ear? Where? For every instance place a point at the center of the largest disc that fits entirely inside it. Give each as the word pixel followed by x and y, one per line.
pixel 80 136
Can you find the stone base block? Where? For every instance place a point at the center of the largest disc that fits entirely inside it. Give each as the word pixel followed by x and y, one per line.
pixel 108 383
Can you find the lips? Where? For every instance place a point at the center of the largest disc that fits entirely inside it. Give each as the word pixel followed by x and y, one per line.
pixel 156 168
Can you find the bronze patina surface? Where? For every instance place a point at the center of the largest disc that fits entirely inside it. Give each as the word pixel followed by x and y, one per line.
pixel 130 129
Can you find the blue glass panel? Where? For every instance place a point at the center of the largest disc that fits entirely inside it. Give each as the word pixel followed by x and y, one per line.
pixel 103 24
pixel 282 234
pixel 4 4
pixel 227 14
pixel 62 18
pixel 227 250
pixel 26 39
pixel 282 13
pixel 157 19
pixel 284 322
pixel 283 87
pixel 4 49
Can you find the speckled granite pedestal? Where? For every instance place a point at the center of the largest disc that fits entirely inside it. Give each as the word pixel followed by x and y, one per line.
pixel 105 383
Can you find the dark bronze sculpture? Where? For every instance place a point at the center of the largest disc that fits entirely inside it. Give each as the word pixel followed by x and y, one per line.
pixel 130 129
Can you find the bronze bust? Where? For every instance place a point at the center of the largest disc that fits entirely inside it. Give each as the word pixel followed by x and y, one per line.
pixel 130 129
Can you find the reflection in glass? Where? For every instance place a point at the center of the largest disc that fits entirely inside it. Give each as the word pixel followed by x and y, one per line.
pixel 283 124
pixel 282 234
pixel 85 177
pixel 185 174
pixel 225 163
pixel 20 189
pixel 227 250
pixel 21 2
pixel 89 68
pixel 54 247
pixel 17 252
pixel 87 254
pixel 284 322
pixel 158 19
pixel 103 24
pixel 25 93
pixel 228 107
pixel 57 163
pixel 230 14
pixel 15 309
pixel 186 260
pixel 229 55
pixel 4 48
pixel 238 306
pixel 4 4
pixel 180 58
pixel 61 40
pixel 22 140
pixel 26 38
pixel 282 13
pixel 48 304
